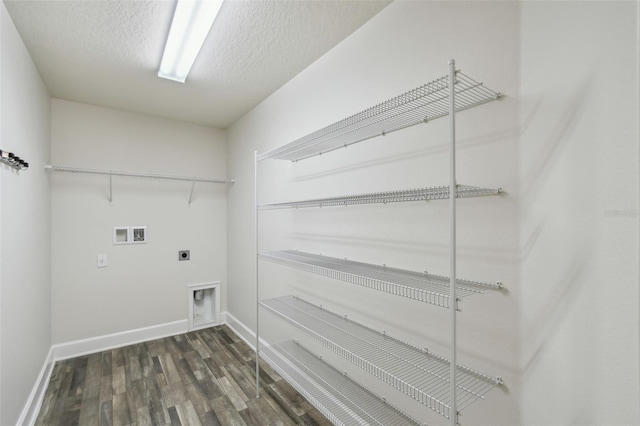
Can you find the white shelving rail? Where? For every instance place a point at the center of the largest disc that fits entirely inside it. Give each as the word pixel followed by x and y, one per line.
pixel 421 286
pixel 112 173
pixel 439 383
pixel 417 373
pixel 340 399
pixel 420 105
pixel 398 196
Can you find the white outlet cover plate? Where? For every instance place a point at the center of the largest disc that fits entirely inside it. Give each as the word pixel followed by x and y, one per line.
pixel 102 260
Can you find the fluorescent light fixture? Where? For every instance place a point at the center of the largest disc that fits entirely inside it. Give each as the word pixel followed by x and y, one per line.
pixel 191 23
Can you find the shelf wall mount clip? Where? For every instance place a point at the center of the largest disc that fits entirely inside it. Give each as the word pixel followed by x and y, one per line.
pixel 193 185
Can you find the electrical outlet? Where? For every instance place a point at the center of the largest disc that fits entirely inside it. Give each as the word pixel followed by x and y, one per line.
pixel 102 260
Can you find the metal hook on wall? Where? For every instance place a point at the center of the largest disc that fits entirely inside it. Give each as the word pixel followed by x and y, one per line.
pixel 13 160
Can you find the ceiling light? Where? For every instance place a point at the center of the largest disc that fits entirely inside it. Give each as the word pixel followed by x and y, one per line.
pixel 191 23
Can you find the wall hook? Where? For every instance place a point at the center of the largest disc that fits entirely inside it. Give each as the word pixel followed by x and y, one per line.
pixel 10 159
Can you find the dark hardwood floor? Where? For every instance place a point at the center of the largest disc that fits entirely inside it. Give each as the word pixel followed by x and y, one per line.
pixel 205 377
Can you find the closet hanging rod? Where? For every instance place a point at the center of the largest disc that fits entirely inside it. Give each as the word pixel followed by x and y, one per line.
pixel 137 174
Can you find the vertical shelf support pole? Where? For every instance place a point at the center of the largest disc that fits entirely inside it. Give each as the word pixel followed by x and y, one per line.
pixel 453 303
pixel 255 197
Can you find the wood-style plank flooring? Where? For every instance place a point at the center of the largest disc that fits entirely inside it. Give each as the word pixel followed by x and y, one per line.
pixel 204 377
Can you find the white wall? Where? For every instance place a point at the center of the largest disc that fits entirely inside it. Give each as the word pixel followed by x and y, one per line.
pixel 143 285
pixel 25 231
pixel 579 221
pixel 406 45
pixel 564 238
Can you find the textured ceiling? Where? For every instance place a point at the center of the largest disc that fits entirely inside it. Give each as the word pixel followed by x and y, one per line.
pixel 107 52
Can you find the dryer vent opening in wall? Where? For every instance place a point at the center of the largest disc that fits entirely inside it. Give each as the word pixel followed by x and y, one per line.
pixel 204 305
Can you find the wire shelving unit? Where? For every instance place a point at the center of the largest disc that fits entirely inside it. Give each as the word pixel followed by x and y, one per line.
pixel 417 373
pixel 421 286
pixel 337 397
pixel 438 383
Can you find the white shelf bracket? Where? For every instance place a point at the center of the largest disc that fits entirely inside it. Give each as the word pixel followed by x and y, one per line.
pixel 193 185
pixel 110 187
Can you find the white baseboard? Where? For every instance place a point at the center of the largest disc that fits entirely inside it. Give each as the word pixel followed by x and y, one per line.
pixel 110 341
pixel 34 402
pixel 243 332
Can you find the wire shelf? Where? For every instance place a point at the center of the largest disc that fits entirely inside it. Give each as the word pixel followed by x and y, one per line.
pixel 421 286
pixel 112 173
pixel 418 194
pixel 420 105
pixel 137 174
pixel 416 372
pixel 337 397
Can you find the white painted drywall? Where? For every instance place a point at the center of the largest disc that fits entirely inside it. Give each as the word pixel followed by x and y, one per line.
pixel 25 227
pixel 564 238
pixel 578 173
pixel 406 45
pixel 145 284
pixel 1 38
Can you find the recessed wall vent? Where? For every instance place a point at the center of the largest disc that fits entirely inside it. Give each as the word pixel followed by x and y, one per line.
pixel 139 234
pixel 204 305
